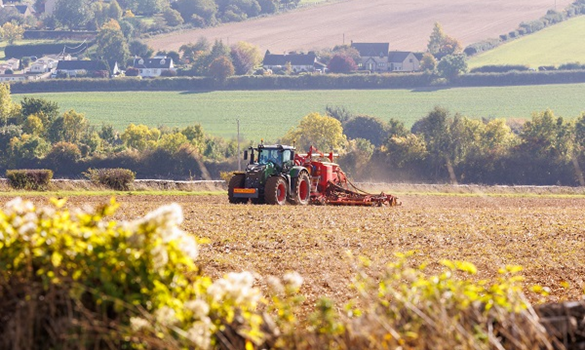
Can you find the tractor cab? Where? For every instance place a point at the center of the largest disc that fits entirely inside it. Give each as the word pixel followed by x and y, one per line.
pixel 278 155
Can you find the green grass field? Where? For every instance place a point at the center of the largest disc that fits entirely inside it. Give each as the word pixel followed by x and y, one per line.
pixel 561 43
pixel 270 114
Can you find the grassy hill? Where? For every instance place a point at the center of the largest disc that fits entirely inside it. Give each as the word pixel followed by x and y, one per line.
pixel 270 114
pixel 561 43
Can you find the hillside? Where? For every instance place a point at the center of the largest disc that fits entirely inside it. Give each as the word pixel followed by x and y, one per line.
pixel 561 43
pixel 406 25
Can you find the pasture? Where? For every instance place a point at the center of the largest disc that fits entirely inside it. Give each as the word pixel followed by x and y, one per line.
pixel 270 114
pixel 561 43
pixel 543 233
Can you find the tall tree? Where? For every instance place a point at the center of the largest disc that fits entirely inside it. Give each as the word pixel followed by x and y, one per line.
pixel 112 45
pixel 440 44
pixel 11 32
pixel 7 108
pixel 221 68
pixel 75 126
pixel 245 57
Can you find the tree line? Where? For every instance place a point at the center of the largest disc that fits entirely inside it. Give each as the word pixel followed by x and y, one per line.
pixel 440 147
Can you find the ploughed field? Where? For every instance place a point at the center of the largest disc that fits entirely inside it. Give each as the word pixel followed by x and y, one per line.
pixel 545 234
pixel 405 25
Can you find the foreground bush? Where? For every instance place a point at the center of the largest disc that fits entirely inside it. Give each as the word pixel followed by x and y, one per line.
pixel 29 179
pixel 73 280
pixel 117 179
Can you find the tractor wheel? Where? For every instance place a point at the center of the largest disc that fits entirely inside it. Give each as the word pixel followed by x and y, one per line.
pixel 275 191
pixel 235 182
pixel 302 190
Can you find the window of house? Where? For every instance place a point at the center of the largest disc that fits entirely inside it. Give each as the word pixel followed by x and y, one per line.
pixel 381 64
pixel 410 60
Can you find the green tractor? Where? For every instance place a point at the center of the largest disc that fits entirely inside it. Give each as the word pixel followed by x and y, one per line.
pixel 272 177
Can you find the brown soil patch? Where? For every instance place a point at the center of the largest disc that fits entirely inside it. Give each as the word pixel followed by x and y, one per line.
pixel 545 235
pixel 405 25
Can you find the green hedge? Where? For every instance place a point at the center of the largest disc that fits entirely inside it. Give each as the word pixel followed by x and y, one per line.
pixel 117 178
pixel 520 78
pixel 29 179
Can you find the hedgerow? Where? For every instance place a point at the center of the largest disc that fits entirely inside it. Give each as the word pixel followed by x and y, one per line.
pixel 76 279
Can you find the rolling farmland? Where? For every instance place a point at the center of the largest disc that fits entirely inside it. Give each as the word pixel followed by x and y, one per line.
pixel 561 43
pixel 405 25
pixel 270 114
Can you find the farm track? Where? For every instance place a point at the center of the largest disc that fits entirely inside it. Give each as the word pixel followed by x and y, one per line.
pixel 545 235
pixel 405 25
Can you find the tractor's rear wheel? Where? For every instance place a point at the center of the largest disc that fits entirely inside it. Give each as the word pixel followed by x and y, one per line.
pixel 302 190
pixel 237 181
pixel 275 191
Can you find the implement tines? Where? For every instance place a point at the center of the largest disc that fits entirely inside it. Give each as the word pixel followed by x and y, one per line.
pixel 337 195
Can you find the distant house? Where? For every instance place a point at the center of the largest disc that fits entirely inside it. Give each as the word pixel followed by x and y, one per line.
pixel 374 56
pixel 49 7
pixel 298 62
pixel 403 61
pixel 13 63
pixel 75 68
pixel 43 65
pixel 153 67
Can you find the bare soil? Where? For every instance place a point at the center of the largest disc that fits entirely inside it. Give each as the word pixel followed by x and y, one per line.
pixel 405 25
pixel 544 234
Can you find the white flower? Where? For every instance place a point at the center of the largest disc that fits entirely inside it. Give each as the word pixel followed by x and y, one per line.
pixel 138 323
pixel 165 316
pixel 18 206
pixel 28 228
pixel 237 287
pixel 199 308
pixel 160 257
pixel 189 246
pixel 293 280
pixel 200 334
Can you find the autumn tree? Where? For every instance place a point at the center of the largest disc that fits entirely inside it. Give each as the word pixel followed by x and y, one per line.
pixel 11 32
pixel 341 64
pixel 368 128
pixel 221 68
pixel 440 44
pixel 245 57
pixel 321 131
pixel 8 109
pixel 140 137
pixel 192 51
pixel 75 126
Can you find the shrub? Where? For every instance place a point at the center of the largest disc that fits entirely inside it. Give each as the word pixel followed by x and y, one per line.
pixel 499 68
pixel 116 178
pixel 29 179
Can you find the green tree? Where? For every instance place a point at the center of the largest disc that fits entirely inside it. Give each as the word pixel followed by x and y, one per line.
pixel 191 52
pixel 221 68
pixel 368 128
pixel 452 66
pixel 195 135
pixel 428 62
pixel 140 137
pixel 172 17
pixel 26 147
pixel 115 11
pixel 74 14
pixel 435 130
pixel 42 108
pixel 201 13
pixel 140 49
pixel 112 45
pixel 321 131
pixel 11 32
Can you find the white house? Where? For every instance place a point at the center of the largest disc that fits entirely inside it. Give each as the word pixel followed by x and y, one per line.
pixel 403 61
pixel 153 67
pixel 374 56
pixel 43 65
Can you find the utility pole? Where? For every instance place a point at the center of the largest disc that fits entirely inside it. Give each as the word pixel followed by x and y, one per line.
pixel 239 155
